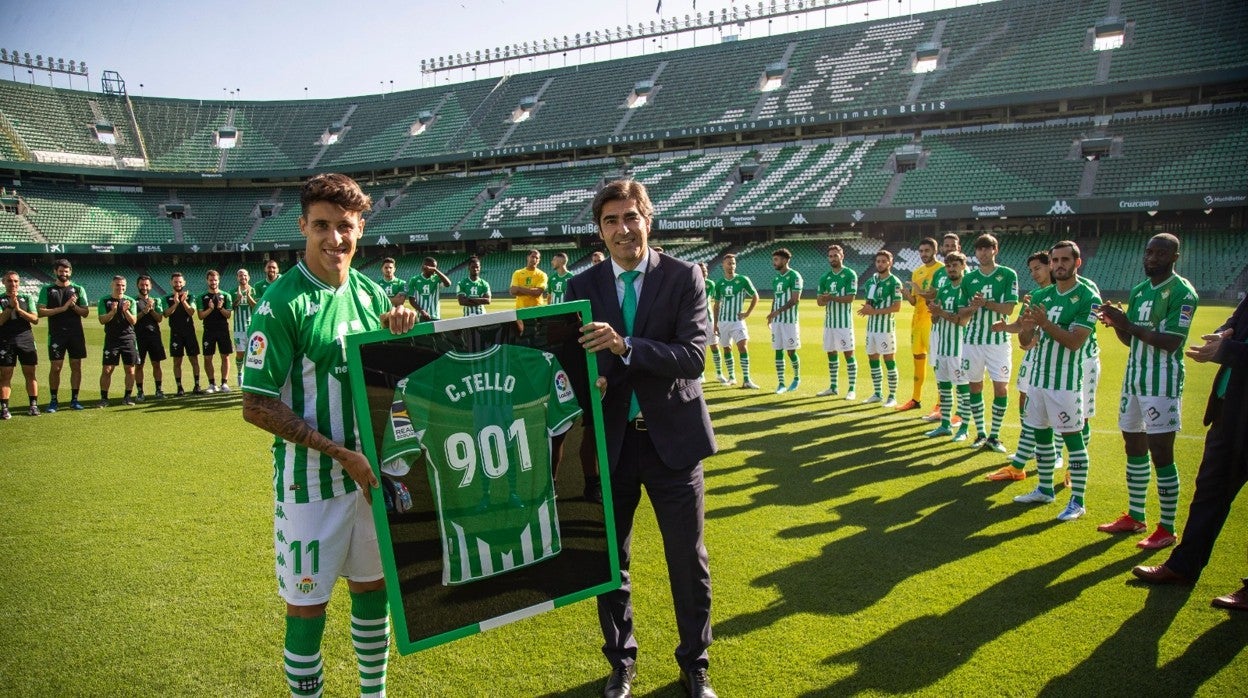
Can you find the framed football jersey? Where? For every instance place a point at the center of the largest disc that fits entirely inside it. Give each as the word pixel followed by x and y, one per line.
pixel 476 428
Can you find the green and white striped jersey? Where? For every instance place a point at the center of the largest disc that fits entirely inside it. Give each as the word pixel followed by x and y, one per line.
pixel 839 283
pixel 1166 308
pixel 557 286
pixel 1001 286
pixel 949 335
pixel 881 293
pixel 1092 348
pixel 244 305
pixel 731 294
pixel 484 423
pixel 710 305
pixel 785 287
pixel 296 353
pixel 473 289
pixel 1056 367
pixel 393 287
pixel 425 291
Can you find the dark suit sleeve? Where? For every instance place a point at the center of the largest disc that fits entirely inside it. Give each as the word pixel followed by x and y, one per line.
pixel 1234 350
pixel 683 355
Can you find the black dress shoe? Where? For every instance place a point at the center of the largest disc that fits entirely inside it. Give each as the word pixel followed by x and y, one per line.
pixel 1159 574
pixel 620 682
pixel 593 490
pixel 1237 601
pixel 697 684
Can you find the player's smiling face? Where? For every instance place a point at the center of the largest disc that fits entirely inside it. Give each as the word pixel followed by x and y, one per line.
pixel 145 287
pixel 270 271
pixel 64 274
pixel 624 231
pixel 119 288
pixel 474 270
pixel 178 283
pixel 244 277
pixel 332 233
pixel 214 281
pixel 11 282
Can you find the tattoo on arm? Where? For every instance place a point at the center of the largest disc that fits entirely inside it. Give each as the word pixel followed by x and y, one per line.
pixel 275 417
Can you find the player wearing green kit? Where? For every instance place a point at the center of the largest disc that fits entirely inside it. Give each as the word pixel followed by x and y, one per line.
pixel 296 386
pixel 1155 327
pixel 484 422
pixel 557 284
pixel 883 296
pixel 244 300
pixel 394 287
pixel 991 292
pixel 730 315
pixel 1062 316
pixel 424 290
pixel 786 335
pixel 271 274
pixel 837 288
pixel 473 293
pixel 713 342
pixel 948 322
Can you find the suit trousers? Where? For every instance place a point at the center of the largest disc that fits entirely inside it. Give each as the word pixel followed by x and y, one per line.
pixel 677 499
pixel 1217 482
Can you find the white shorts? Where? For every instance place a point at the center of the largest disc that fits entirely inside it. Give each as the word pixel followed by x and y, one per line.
pixel 785 336
pixel 318 542
pixel 1091 379
pixel 949 370
pixel 1062 410
pixel 1150 415
pixel 931 342
pixel 1023 382
pixel 993 358
pixel 882 343
pixel 240 341
pixel 835 339
pixel 732 332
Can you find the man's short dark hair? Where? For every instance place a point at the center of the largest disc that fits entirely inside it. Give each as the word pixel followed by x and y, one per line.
pixel 388 260
pixel 986 241
pixel 835 246
pixel 784 253
pixel 1040 256
pixel 62 263
pixel 955 256
pixel 623 190
pixel 1074 248
pixel 175 274
pixel 143 277
pixel 335 188
pixel 929 241
pixel 429 260
pixel 953 236
pixel 118 277
pixel 886 254
pixel 1168 237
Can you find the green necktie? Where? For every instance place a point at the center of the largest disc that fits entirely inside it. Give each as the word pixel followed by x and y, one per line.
pixel 1223 383
pixel 629 307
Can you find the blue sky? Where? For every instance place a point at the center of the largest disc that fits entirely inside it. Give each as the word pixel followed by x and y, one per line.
pixel 266 49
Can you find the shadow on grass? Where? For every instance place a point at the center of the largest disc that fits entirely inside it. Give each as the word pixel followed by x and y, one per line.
pixel 1130 655
pixel 916 654
pixel 645 682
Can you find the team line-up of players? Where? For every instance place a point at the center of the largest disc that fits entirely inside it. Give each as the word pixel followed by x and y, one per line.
pixel 961 326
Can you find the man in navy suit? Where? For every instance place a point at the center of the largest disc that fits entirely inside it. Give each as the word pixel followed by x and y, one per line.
pixel 657 426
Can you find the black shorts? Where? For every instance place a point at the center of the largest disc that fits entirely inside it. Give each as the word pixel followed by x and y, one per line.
pixel 75 344
pixel 218 342
pixel 120 351
pixel 11 353
pixel 183 344
pixel 150 347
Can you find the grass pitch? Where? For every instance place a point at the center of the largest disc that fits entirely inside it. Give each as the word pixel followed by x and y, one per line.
pixel 850 555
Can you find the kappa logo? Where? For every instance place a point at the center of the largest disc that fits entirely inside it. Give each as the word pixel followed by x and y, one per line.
pixel 383 240
pixel 264 309
pixel 798 219
pixel 497 234
pixel 1060 208
pixel 312 309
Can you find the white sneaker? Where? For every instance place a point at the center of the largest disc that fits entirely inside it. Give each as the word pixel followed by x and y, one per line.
pixel 875 397
pixel 210 389
pixel 979 442
pixel 749 385
pixel 724 379
pixel 825 393
pixel 890 402
pixel 780 389
pixel 1071 512
pixel 1034 497
pixel 851 396
pixel 225 387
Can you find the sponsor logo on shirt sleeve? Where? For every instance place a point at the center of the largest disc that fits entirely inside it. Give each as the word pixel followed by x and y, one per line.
pixel 257 347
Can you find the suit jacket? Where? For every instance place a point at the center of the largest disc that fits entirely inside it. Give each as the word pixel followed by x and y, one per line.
pixel 1232 356
pixel 669 338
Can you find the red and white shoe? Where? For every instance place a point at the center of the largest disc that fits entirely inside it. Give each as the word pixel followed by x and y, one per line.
pixel 1160 538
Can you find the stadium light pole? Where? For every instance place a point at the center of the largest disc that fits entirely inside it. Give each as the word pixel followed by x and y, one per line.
pixel 31 74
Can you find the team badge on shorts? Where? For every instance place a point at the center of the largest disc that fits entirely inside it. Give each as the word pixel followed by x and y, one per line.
pixel 305 585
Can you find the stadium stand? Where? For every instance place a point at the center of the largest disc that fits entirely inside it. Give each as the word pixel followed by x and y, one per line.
pixel 1189 151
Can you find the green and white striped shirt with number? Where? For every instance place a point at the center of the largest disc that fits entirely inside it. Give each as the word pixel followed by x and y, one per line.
pixel 1055 366
pixel 425 293
pixel 950 335
pixel 296 354
pixel 839 283
pixel 473 289
pixel 1168 309
pixel 557 285
pixel 731 294
pixel 882 293
pixel 393 287
pixel 243 309
pixel 710 305
pixel 784 287
pixel 1001 286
